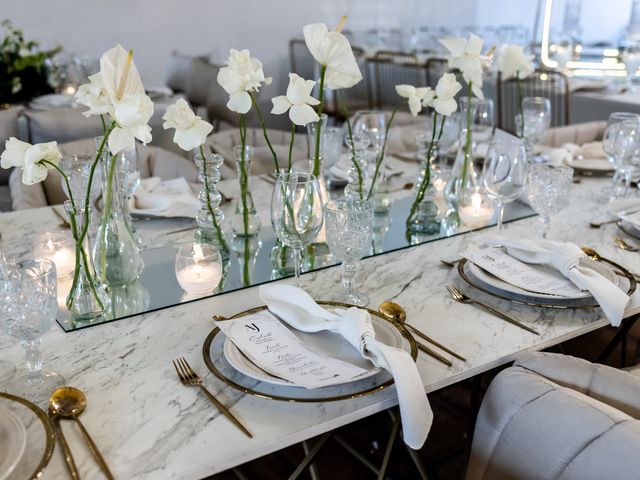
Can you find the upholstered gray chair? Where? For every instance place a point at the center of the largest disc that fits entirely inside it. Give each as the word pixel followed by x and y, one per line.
pixel 552 416
pixel 61 125
pixel 178 70
pixel 154 161
pixel 201 76
pixel 8 128
pixel 223 143
pixel 578 133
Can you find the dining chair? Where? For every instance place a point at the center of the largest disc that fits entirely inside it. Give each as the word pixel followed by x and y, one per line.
pixel 178 70
pixel 577 133
pixel 202 75
pixel 358 97
pixel 389 68
pixel 434 68
pixel 556 416
pixel 9 127
pixel 541 83
pixel 301 61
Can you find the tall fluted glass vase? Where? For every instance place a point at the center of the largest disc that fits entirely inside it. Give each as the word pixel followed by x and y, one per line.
pixel 116 255
pixel 245 221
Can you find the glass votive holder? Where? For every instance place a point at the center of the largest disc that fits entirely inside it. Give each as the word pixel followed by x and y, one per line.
pixel 60 248
pixel 476 209
pixel 198 268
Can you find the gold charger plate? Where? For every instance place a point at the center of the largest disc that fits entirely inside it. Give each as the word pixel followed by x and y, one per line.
pixel 49 435
pixel 618 269
pixel 367 389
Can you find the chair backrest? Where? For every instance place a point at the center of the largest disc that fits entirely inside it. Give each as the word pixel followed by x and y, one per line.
pixel 202 75
pixel 577 133
pixel 300 59
pixel 541 83
pixel 8 128
pixel 388 69
pixel 178 70
pixel 358 97
pixel 61 125
pixel 434 68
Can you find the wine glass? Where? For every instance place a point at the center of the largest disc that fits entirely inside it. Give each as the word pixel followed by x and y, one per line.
pixel 549 189
pixel 349 231
pixel 609 144
pixel 28 306
pixel 504 173
pixel 296 212
pixel 625 147
pixel 631 60
pixel 534 122
pixel 371 123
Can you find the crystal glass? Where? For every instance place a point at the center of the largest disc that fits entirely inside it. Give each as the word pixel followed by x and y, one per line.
pixel 536 115
pixel 198 267
pixel 549 191
pixel 27 309
pixel 504 173
pixel 631 60
pixel 245 220
pixel 296 212
pixel 349 231
pixel 609 139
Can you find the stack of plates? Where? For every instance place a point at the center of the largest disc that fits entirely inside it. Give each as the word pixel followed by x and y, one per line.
pixel 13 441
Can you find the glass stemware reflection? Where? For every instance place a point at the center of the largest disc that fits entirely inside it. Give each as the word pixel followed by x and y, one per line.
pixel 549 190
pixel 349 232
pixel 504 173
pixel 536 115
pixel 28 305
pixel 296 212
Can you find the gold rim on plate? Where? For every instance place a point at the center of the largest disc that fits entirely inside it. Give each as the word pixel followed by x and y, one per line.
pixel 618 269
pixel 206 353
pixel 48 430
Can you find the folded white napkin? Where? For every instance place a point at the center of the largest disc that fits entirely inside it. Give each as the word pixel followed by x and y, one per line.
pixel 298 309
pixel 169 198
pixel 565 257
pixel 340 169
pixel 591 151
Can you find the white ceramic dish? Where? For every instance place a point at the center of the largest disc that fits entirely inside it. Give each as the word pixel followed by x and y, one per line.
pixel 13 441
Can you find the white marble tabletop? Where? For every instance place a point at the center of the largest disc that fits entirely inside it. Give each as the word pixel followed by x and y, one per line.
pixel 149 426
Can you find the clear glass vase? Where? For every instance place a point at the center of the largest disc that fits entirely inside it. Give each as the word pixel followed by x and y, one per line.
pixel 246 250
pixel 315 135
pixel 464 177
pixel 87 299
pixel 116 255
pixel 358 180
pixel 210 215
pixel 245 221
pixel 424 216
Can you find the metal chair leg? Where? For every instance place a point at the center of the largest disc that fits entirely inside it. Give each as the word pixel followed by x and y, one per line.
pixel 357 455
pixel 313 471
pixel 395 429
pixel 309 458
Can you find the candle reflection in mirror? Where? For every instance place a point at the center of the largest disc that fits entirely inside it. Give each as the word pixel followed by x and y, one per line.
pixel 198 268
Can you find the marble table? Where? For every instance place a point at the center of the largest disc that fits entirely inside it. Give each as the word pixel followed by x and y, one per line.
pixel 151 427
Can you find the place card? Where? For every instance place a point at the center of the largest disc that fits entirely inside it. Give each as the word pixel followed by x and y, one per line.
pixel 524 276
pixel 268 343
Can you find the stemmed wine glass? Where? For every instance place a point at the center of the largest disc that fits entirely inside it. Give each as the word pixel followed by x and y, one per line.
pixel 549 190
pixel 28 306
pixel 296 212
pixel 371 123
pixel 534 122
pixel 609 139
pixel 626 144
pixel 504 173
pixel 349 231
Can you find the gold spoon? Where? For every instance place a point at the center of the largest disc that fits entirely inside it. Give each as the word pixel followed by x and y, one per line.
pixel 68 456
pixel 597 257
pixel 395 312
pixel 624 245
pixel 69 402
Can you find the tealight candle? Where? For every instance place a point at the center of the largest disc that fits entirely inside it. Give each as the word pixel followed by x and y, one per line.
pixel 198 268
pixel 58 247
pixel 69 90
pixel 477 212
pixel 439 184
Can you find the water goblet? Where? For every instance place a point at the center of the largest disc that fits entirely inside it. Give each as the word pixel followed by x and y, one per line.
pixel 609 146
pixel 504 173
pixel 28 306
pixel 549 190
pixel 631 60
pixel 371 123
pixel 534 122
pixel 625 147
pixel 349 230
pixel 296 212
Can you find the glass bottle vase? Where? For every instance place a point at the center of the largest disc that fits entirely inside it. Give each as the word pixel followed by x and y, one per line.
pixel 87 299
pixel 424 216
pixel 210 215
pixel 116 255
pixel 245 221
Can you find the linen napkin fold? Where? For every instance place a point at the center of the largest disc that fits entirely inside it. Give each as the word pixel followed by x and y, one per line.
pixel 590 151
pixel 169 198
pixel 565 257
pixel 296 307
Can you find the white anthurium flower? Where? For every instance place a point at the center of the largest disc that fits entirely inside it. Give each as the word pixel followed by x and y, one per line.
pixel 94 96
pixel 415 96
pixel 297 101
pixel 30 159
pixel 191 130
pixel 332 49
pixel 512 62
pixel 132 115
pixel 446 90
pixel 120 76
pixel 466 56
pixel 242 75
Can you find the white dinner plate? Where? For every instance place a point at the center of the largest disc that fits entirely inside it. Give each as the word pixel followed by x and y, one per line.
pixel 494 284
pixel 325 342
pixel 600 165
pixel 13 441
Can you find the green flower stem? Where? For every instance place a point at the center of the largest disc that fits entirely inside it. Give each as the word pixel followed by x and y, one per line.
pixel 380 158
pixel 354 160
pixel 426 178
pixel 245 267
pixel 104 124
pixel 264 132
pixel 244 178
pixel 468 143
pixel 293 134
pixel 106 211
pixel 316 157
pixel 519 91
pixel 216 225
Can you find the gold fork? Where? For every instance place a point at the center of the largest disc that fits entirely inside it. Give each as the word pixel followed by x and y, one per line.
pixel 624 245
pixel 189 377
pixel 458 296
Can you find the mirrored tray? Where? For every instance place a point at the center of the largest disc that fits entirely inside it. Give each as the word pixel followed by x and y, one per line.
pixel 218 365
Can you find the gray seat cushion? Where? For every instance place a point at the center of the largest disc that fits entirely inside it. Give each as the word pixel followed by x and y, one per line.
pixel 61 125
pixel 5 198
